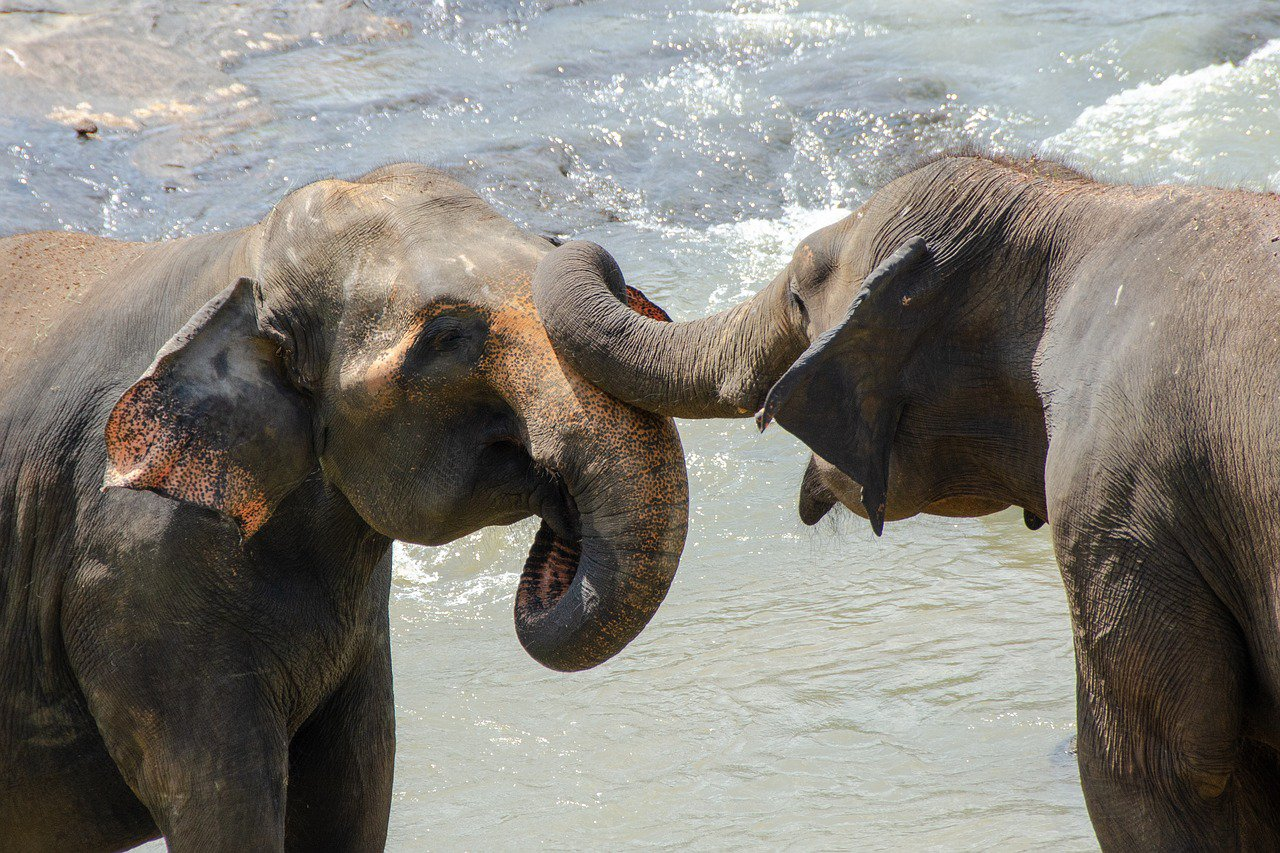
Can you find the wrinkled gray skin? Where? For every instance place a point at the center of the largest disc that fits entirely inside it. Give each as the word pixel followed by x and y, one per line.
pixel 1103 357
pixel 200 649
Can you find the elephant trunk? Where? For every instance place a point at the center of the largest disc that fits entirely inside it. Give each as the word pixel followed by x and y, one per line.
pixel 719 366
pixel 581 600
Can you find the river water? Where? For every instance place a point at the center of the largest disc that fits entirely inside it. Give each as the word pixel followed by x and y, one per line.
pixel 800 689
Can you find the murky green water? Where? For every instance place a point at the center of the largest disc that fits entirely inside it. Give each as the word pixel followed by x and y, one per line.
pixel 799 689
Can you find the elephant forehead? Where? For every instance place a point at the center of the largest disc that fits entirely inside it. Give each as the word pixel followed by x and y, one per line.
pixel 482 267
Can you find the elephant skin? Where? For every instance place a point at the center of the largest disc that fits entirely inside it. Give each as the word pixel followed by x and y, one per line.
pixel 985 333
pixel 195 564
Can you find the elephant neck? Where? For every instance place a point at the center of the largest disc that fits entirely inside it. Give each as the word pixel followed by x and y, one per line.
pixel 316 536
pixel 1050 296
pixel 1005 242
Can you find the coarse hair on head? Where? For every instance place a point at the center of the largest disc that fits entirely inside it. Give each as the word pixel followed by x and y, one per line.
pixel 1032 164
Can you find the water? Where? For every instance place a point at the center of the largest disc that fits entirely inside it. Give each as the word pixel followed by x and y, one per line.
pixel 799 689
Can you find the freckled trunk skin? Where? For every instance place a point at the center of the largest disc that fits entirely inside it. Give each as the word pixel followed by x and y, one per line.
pixel 719 366
pixel 624 469
pixel 634 520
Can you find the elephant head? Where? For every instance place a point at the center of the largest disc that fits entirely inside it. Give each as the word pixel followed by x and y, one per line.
pixel 890 345
pixel 387 342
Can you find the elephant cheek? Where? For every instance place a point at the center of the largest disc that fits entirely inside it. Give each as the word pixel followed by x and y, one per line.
pixel 521 365
pixel 380 378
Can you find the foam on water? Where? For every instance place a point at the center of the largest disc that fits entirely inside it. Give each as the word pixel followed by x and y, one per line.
pixel 1217 124
pixel 763 247
pixel 810 689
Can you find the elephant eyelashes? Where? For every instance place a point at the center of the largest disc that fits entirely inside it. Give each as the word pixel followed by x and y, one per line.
pixel 446 340
pixel 799 304
pixel 447 336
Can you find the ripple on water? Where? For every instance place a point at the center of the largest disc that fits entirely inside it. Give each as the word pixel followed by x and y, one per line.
pixel 1173 130
pixel 799 688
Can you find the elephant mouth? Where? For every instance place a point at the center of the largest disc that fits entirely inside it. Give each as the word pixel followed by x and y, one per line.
pixel 556 551
pixel 549 570
pixel 816 497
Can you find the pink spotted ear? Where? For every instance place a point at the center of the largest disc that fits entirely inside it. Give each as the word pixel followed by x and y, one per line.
pixel 213 421
pixel 641 304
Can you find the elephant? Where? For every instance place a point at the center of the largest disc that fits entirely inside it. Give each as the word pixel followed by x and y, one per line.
pixel 195 564
pixel 990 332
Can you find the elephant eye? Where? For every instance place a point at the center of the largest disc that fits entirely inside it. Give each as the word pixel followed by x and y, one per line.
pixel 798 303
pixel 442 335
pixel 448 342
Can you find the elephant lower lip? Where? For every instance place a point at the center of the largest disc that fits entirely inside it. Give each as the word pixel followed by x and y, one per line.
pixel 816 498
pixel 812 511
pixel 548 571
pixel 551 500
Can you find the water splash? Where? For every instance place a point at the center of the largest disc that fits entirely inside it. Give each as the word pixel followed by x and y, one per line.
pixel 1218 125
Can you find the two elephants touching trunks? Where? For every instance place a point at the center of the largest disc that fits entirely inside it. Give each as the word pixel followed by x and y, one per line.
pixel 985 334
pixel 202 650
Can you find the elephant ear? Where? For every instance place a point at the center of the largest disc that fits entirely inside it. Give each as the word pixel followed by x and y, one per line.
pixel 213 421
pixel 843 396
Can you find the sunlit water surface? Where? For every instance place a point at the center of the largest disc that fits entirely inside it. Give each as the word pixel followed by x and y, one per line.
pixel 800 689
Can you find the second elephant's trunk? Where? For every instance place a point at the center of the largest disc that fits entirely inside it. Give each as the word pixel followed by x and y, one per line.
pixel 719 366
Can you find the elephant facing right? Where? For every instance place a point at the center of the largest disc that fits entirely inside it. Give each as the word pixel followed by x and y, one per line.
pixel 988 333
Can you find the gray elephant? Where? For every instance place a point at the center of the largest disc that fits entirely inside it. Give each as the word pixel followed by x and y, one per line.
pixel 985 333
pixel 193 611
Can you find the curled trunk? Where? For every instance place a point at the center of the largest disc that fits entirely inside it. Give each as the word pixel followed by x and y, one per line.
pixel 719 366
pixel 581 600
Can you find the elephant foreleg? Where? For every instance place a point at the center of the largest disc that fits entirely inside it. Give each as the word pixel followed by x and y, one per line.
pixel 1162 675
pixel 212 772
pixel 340 765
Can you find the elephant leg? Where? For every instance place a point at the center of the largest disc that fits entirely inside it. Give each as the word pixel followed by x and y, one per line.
pixel 1163 811
pixel 1161 677
pixel 241 810
pixel 211 773
pixel 1139 798
pixel 191 718
pixel 340 765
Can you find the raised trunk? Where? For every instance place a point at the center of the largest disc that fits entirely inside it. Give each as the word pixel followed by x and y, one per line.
pixel 719 366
